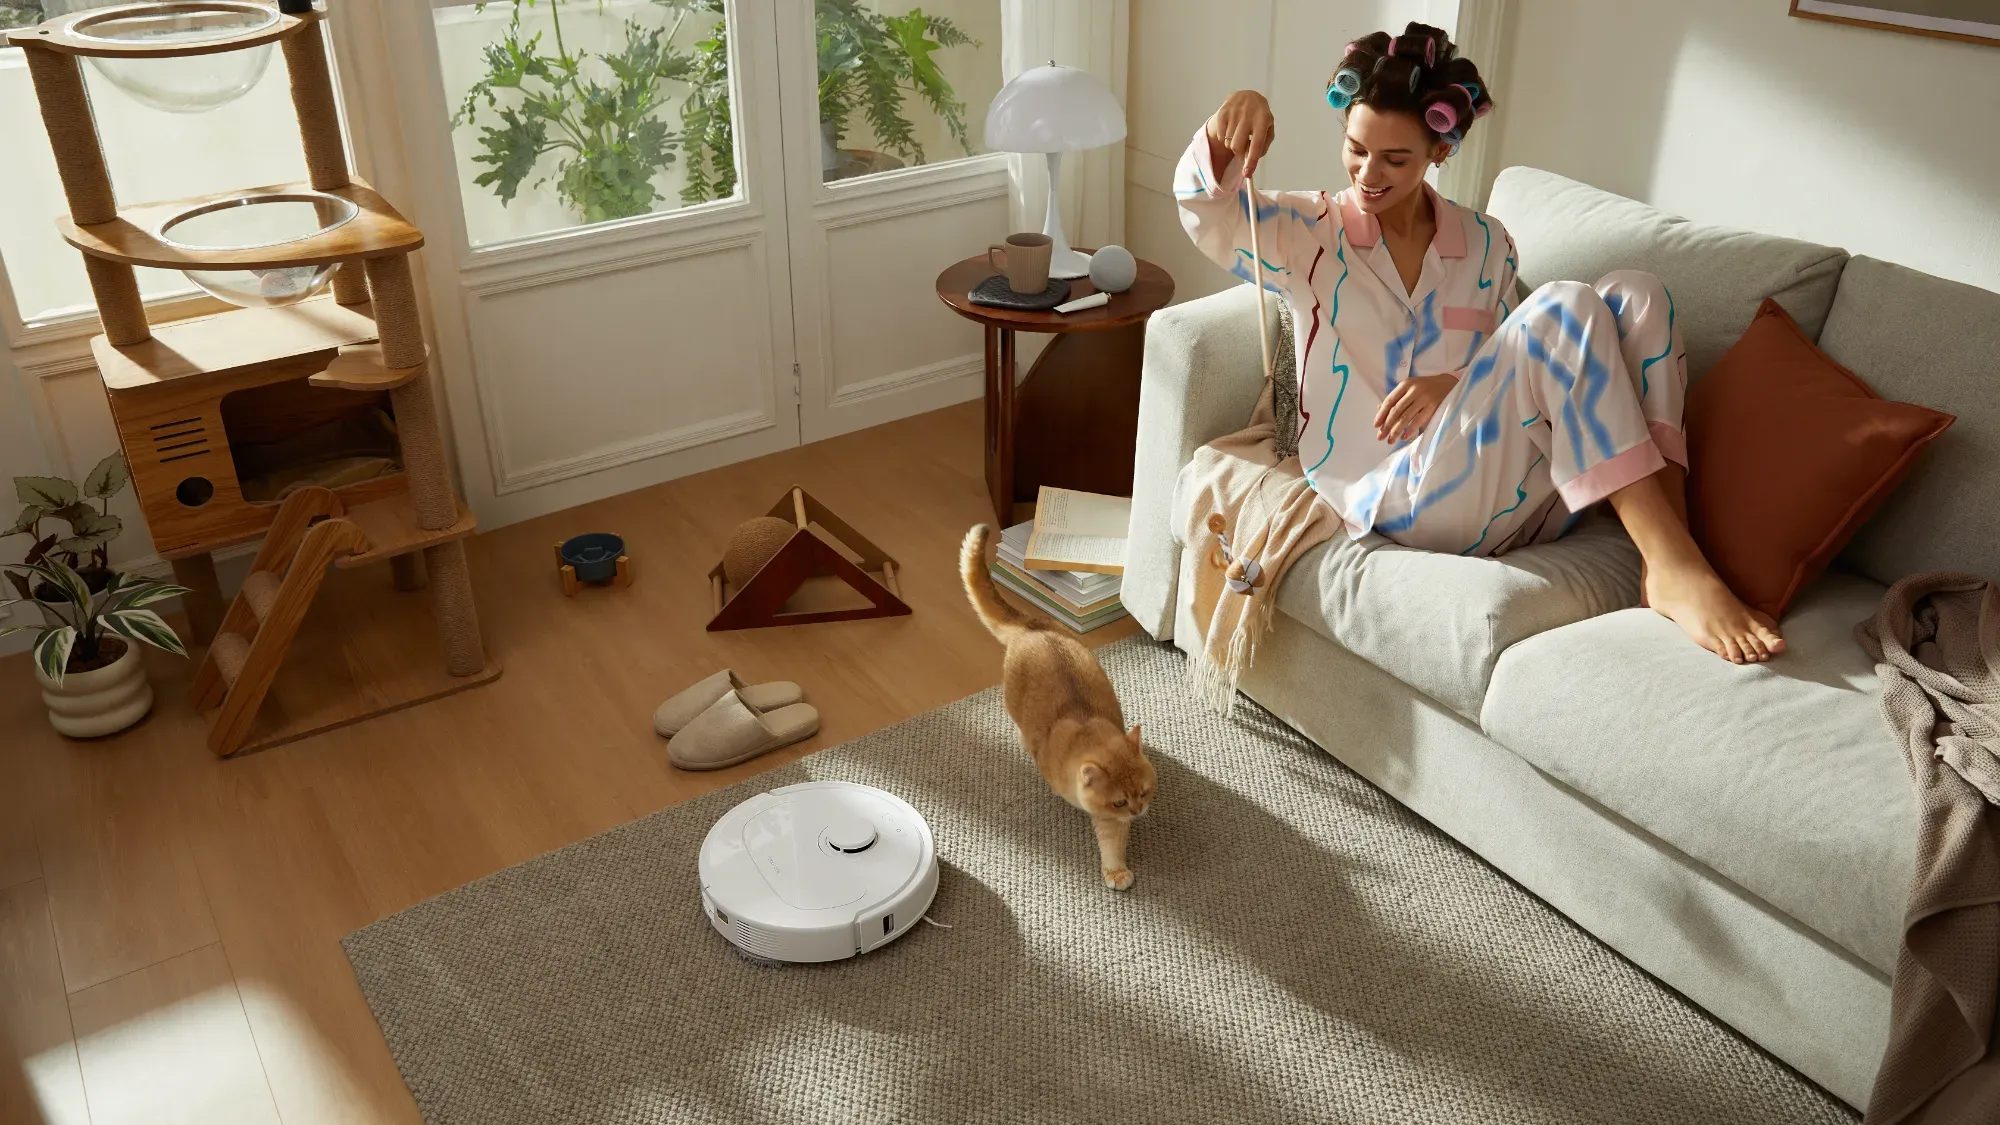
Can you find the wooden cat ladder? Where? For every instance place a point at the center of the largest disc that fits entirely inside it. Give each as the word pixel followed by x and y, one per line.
pixel 313 530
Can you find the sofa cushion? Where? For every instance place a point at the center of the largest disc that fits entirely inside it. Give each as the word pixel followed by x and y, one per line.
pixel 1781 777
pixel 1567 230
pixel 1789 453
pixel 1438 622
pixel 1925 340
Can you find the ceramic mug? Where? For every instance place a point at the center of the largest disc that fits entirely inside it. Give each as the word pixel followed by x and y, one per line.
pixel 1025 261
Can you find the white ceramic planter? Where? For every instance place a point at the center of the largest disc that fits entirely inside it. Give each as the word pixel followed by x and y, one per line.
pixel 101 701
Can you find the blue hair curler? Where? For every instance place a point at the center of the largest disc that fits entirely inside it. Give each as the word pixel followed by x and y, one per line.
pixel 1340 92
pixel 1452 138
pixel 1471 90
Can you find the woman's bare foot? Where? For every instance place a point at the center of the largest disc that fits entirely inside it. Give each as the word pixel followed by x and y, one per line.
pixel 1689 594
pixel 1676 580
pixel 1673 484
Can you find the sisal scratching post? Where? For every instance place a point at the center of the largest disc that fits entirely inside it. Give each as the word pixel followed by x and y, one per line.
pixel 416 408
pixel 313 102
pixel 119 305
pixel 350 285
pixel 451 604
pixel 72 135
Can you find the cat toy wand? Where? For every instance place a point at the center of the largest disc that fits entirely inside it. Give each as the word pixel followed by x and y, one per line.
pixel 1257 273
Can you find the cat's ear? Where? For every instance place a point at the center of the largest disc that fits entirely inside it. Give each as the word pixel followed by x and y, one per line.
pixel 1091 774
pixel 1132 736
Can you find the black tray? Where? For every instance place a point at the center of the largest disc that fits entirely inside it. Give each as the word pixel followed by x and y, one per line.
pixel 995 291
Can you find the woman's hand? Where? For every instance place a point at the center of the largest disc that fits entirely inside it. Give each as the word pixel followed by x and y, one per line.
pixel 1409 407
pixel 1242 127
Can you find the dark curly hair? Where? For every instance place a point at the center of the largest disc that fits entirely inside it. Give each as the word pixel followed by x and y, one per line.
pixel 1418 73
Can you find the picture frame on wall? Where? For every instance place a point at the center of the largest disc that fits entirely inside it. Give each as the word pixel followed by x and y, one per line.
pixel 1970 21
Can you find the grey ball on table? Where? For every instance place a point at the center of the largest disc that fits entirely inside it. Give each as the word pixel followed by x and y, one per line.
pixel 1113 269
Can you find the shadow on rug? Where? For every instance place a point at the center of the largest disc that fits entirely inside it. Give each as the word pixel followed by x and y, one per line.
pixel 1298 947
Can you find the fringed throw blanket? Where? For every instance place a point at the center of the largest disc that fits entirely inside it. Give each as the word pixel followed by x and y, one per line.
pixel 1251 516
pixel 1936 644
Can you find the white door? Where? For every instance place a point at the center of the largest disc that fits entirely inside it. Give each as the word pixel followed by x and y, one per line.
pixel 876 214
pixel 600 327
pixel 713 276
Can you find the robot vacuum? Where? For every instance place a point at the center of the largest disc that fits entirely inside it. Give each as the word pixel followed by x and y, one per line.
pixel 818 871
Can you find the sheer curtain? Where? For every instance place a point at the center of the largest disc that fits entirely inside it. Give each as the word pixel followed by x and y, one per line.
pixel 1089 35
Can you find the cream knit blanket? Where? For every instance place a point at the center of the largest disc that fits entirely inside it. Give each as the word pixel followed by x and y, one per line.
pixel 1250 516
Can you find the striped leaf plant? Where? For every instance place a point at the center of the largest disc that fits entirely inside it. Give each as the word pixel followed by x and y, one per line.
pixel 117 610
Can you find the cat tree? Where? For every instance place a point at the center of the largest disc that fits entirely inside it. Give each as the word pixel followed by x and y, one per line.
pixel 287 362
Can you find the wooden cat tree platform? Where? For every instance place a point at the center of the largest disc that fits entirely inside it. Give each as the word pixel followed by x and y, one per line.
pixel 186 396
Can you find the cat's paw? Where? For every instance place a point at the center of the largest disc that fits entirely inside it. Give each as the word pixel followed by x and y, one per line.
pixel 1119 880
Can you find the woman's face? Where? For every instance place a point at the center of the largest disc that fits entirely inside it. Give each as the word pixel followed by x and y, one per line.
pixel 1386 155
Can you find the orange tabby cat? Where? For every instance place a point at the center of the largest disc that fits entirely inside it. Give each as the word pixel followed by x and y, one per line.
pixel 1068 716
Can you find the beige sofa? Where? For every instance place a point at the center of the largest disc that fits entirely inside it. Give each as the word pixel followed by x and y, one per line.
pixel 1746 834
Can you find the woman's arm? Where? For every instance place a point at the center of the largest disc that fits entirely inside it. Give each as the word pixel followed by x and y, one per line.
pixel 1208 186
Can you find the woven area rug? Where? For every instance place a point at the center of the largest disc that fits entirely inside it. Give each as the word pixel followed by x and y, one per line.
pixel 1298 948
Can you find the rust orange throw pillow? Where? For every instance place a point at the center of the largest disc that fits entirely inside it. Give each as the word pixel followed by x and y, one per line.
pixel 1789 453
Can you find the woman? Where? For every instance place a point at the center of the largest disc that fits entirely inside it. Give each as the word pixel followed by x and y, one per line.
pixel 1430 410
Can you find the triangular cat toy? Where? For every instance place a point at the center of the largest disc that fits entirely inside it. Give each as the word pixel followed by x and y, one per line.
pixel 757 604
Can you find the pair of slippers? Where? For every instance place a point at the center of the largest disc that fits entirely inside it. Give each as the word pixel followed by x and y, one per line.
pixel 722 721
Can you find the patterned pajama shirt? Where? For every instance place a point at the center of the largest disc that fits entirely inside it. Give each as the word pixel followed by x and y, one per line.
pixel 1559 403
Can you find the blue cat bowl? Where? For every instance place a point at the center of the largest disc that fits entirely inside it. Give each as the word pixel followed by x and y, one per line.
pixel 594 556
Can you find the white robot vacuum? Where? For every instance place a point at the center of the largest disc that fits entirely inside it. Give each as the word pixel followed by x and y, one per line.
pixel 817 871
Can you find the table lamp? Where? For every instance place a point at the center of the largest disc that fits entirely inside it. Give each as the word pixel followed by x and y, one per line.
pixel 1052 110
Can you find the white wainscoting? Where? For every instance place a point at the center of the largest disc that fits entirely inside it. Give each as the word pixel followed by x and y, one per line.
pixel 555 355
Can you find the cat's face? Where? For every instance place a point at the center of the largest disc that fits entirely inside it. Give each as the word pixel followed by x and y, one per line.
pixel 1118 781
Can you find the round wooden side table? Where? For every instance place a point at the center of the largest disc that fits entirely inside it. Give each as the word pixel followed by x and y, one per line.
pixel 1074 421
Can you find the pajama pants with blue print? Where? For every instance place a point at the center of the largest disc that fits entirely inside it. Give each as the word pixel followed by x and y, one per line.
pixel 1577 395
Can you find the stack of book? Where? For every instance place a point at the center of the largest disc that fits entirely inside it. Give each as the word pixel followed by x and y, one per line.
pixel 1082 600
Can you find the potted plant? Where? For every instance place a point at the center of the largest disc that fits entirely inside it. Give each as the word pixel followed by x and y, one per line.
pixel 601 115
pixel 92 680
pixel 47 501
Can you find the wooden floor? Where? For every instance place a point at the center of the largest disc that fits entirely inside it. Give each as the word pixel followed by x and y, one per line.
pixel 169 923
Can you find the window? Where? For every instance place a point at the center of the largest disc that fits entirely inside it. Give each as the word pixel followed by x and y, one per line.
pixel 249 140
pixel 573 112
pixel 896 81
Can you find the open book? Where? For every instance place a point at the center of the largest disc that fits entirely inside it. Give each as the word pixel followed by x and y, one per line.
pixel 1079 531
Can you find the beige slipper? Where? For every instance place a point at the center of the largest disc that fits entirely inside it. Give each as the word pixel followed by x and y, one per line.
pixel 732 731
pixel 681 710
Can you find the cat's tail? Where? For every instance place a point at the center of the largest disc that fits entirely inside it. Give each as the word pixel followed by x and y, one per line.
pixel 1001 619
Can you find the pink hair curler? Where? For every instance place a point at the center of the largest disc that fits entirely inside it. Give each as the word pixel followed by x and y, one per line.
pixel 1442 117
pixel 1430 52
pixel 1483 110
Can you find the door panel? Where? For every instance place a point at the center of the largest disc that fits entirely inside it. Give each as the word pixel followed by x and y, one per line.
pixel 630 375
pixel 585 353
pixel 886 332
pixel 874 342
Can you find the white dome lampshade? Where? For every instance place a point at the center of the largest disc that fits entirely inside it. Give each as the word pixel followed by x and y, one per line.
pixel 1055 109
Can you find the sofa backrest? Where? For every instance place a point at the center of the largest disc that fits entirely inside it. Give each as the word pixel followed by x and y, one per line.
pixel 1922 339
pixel 1570 231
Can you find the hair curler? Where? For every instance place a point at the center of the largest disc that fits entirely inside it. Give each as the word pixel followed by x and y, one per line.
pixel 1442 117
pixel 1453 138
pixel 1346 83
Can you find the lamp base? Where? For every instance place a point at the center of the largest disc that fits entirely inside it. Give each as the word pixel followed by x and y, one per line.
pixel 1069 264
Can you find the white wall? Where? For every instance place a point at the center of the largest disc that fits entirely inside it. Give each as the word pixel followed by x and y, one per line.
pixel 1187 55
pixel 1734 112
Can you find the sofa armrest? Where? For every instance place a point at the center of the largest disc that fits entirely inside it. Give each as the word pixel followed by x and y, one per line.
pixel 1200 381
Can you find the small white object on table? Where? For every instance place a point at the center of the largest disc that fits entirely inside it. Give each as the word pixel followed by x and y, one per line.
pixel 1095 300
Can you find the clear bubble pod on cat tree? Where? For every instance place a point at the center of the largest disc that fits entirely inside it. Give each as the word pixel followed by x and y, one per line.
pixel 166 55
pixel 254 221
